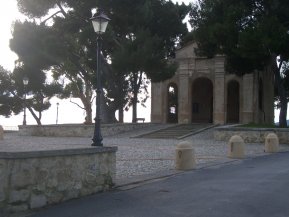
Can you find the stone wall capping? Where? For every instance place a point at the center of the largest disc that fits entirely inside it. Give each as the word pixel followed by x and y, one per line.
pixel 236 128
pixel 84 125
pixel 54 153
pixel 250 135
pixel 78 130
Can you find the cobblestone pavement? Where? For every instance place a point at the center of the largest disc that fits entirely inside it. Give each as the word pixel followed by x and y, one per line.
pixel 137 157
pixel 154 156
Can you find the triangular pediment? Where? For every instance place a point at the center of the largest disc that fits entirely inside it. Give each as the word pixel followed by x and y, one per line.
pixel 188 51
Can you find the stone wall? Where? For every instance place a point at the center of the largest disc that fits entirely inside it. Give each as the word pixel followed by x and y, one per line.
pixel 251 135
pixel 36 179
pixel 77 130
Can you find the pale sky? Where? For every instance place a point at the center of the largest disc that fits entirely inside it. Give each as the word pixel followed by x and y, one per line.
pixel 8 13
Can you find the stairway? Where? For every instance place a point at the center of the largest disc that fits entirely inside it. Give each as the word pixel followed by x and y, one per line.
pixel 177 132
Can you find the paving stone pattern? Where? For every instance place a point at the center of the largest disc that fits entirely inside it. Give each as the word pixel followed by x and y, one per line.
pixel 137 157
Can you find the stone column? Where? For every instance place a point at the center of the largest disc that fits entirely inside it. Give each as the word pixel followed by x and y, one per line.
pixel 156 103
pixel 258 114
pixel 248 99
pixel 1 133
pixel 219 91
pixel 184 89
pixel 268 91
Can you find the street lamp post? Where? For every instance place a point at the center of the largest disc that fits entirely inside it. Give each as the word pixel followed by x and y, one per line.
pixel 99 22
pixel 25 83
pixel 57 104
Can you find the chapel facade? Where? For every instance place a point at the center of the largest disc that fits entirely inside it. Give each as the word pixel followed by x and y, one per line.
pixel 203 92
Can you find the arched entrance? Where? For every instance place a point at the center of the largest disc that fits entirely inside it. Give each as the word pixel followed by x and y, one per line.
pixel 202 101
pixel 172 92
pixel 233 102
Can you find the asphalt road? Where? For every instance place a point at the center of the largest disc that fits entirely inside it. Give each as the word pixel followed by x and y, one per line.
pixel 252 187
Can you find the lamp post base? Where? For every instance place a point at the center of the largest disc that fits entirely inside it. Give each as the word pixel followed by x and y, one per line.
pixel 97 137
pixel 97 143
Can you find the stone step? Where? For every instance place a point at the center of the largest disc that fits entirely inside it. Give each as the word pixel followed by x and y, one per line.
pixel 176 132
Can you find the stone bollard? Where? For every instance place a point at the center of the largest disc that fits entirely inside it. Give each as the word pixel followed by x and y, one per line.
pixel 185 156
pixel 236 147
pixel 1 133
pixel 271 143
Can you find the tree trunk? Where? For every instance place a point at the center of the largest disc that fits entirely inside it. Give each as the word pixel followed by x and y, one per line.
pixel 281 91
pixel 107 114
pixel 134 107
pixel 120 114
pixel 283 112
pixel 86 101
pixel 111 115
pixel 38 121
pixel 136 86
pixel 88 115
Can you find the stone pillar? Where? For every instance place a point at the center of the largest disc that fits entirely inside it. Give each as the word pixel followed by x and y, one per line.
pixel 157 103
pixel 184 107
pixel 268 91
pixel 1 133
pixel 257 116
pixel 219 91
pixel 248 99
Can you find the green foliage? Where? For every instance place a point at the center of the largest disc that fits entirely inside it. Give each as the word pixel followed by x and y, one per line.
pixel 251 33
pixel 140 40
pixel 12 92
pixel 36 45
pixel 8 103
pixel 255 125
pixel 247 32
pixel 33 8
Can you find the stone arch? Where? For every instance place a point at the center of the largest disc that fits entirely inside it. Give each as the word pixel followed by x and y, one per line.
pixel 202 100
pixel 233 102
pixel 172 109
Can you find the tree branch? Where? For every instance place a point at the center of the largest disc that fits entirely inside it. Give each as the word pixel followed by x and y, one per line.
pixel 61 9
pixel 76 104
pixel 44 21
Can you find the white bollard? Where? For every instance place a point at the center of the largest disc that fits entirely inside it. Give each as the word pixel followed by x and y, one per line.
pixel 236 147
pixel 185 156
pixel 271 143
